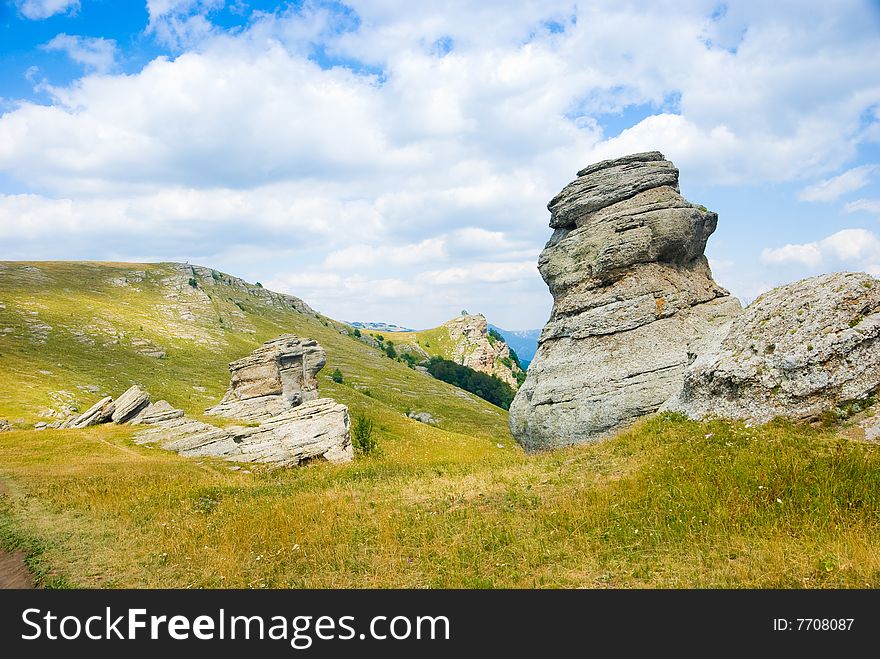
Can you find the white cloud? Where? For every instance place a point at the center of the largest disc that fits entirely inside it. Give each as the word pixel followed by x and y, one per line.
pixel 869 205
pixel 94 53
pixel 478 273
pixel 852 248
pixel 833 188
pixel 40 9
pixel 808 254
pixel 353 157
pixel 179 24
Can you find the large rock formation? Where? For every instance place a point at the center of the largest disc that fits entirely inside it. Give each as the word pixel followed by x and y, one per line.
pixel 634 301
pixel 278 375
pixel 316 429
pixel 277 385
pixel 473 346
pixel 797 351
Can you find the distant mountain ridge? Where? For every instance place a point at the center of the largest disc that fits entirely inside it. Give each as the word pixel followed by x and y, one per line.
pixel 523 342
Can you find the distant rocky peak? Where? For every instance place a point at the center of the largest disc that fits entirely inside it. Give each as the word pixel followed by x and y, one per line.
pixel 475 348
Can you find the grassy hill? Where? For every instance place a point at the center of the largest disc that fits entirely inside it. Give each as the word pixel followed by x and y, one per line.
pixel 669 503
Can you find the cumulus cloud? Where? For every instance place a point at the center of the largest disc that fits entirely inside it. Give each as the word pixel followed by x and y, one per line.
pixel 385 148
pixel 94 53
pixel 851 248
pixel 179 24
pixel 40 9
pixel 832 189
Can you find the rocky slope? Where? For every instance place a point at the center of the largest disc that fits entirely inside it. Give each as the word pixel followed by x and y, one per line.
pixel 634 301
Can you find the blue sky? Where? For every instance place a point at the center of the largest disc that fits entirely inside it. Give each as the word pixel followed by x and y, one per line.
pixel 390 160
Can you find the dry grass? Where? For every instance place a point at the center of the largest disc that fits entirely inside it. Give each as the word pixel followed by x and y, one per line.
pixel 671 503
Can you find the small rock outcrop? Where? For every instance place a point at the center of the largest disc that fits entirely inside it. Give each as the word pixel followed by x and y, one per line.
pixel 634 301
pixel 278 375
pixel 276 385
pixel 100 412
pixel 157 412
pixel 129 404
pixel 5 426
pixel 474 347
pixel 316 429
pixel 422 417
pixel 797 351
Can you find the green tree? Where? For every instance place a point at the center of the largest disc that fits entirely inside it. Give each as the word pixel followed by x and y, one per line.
pixel 487 387
pixel 357 332
pixel 337 377
pixel 362 434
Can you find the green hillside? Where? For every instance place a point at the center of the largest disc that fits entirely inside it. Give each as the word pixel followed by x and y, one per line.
pixel 71 333
pixel 668 503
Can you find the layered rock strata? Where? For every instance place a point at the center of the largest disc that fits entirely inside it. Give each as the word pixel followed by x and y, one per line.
pixel 634 302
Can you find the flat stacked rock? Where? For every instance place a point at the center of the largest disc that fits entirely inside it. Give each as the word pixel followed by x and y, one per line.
pixel 277 385
pixel 100 412
pixel 157 412
pixel 797 351
pixel 278 375
pixel 634 302
pixel 129 404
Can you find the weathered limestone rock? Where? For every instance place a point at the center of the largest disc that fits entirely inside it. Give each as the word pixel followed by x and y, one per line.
pixel 278 375
pixel 472 347
pixel 634 301
pixel 5 425
pixel 797 351
pixel 277 385
pixel 157 412
pixel 313 430
pixel 100 412
pixel 423 417
pixel 129 404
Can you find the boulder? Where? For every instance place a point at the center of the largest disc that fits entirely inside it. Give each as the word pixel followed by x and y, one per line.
pixel 797 351
pixel 5 426
pixel 423 417
pixel 129 404
pixel 100 412
pixel 157 412
pixel 278 375
pixel 634 302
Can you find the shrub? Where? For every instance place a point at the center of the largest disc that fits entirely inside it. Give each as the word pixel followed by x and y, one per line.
pixel 362 434
pixel 193 282
pixel 337 377
pixel 357 332
pixel 495 335
pixel 390 351
pixel 380 338
pixel 409 358
pixel 258 285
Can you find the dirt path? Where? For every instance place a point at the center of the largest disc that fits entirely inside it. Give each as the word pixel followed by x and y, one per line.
pixel 13 571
